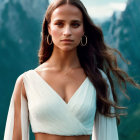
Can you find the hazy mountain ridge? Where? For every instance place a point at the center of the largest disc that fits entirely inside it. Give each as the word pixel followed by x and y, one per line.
pixel 20 29
pixel 35 9
pixel 123 33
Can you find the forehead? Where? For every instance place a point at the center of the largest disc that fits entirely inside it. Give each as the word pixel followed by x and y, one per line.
pixel 67 12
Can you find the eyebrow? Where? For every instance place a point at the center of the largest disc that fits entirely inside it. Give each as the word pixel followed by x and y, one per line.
pixel 64 20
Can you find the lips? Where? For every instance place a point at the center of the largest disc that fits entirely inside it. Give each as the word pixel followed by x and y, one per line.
pixel 67 40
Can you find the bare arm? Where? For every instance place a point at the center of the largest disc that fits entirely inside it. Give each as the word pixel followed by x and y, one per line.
pixel 19 86
pixel 15 125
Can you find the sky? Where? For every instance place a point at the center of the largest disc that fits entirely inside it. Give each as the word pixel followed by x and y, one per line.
pixel 101 9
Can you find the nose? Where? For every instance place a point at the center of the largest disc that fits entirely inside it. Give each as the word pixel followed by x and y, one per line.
pixel 67 31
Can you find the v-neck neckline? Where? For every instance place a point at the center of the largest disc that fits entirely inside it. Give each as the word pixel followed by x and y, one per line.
pixel 56 93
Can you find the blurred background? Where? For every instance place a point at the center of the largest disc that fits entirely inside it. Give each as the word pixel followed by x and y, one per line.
pixel 20 28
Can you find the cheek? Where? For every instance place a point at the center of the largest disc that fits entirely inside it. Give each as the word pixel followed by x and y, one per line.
pixel 55 33
pixel 79 33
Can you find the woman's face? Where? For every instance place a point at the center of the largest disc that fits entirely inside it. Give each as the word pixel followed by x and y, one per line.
pixel 66 27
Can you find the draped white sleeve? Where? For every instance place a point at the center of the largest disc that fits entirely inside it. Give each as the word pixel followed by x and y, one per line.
pixel 105 128
pixel 24 120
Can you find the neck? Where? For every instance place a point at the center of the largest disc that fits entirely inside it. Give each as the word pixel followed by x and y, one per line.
pixel 64 60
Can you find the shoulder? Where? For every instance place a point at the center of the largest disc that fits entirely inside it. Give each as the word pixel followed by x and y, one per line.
pixel 43 66
pixel 108 83
pixel 19 86
pixel 19 79
pixel 104 75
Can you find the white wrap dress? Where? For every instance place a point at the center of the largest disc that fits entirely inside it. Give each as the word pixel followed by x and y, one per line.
pixel 48 113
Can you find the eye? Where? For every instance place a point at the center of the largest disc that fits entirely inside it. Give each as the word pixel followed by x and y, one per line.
pixel 75 25
pixel 60 24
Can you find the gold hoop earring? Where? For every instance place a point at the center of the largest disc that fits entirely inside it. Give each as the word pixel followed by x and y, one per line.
pixel 81 42
pixel 49 43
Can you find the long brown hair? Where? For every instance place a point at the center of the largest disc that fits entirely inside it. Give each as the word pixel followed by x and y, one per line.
pixel 94 56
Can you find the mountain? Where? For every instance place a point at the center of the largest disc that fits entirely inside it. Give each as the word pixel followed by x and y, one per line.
pixel 122 32
pixel 20 27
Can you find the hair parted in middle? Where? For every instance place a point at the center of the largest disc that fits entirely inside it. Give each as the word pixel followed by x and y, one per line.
pixel 96 55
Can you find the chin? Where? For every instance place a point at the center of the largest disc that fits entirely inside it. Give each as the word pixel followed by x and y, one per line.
pixel 68 48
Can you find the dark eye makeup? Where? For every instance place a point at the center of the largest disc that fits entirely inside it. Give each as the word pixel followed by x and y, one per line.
pixel 74 23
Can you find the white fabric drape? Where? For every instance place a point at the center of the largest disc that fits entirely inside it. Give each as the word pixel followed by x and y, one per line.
pixel 24 120
pixel 105 128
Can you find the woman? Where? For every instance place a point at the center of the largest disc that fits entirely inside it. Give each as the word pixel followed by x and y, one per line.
pixel 70 95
